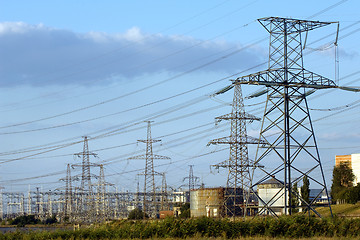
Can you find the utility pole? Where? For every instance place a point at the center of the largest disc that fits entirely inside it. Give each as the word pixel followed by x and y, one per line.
pixel 164 194
pixel 101 193
pixel 149 200
pixel 192 181
pixel 237 192
pixel 291 151
pixel 86 203
pixel 68 193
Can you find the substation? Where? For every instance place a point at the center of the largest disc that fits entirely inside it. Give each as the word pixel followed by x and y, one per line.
pixel 280 147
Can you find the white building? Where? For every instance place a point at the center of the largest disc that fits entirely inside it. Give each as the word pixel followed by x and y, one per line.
pixel 272 194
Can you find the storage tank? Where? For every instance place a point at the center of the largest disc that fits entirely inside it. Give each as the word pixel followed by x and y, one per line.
pixel 206 202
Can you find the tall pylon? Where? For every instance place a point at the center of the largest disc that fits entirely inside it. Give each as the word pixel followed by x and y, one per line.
pixel 149 200
pixel 86 185
pixel 164 194
pixel 236 194
pixel 102 199
pixel 86 207
pixel 192 181
pixel 68 193
pixel 291 151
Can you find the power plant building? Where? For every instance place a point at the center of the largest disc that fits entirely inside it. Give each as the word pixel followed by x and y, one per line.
pixel 210 202
pixel 206 202
pixel 272 192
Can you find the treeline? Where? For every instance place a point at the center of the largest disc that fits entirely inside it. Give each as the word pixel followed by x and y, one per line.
pixel 21 221
pixel 284 227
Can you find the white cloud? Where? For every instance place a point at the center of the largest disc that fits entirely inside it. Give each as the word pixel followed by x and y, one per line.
pixel 38 55
pixel 20 27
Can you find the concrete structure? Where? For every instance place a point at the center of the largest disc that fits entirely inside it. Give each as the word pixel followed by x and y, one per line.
pixel 272 193
pixel 353 161
pixel 179 197
pixel 206 202
pixel 211 202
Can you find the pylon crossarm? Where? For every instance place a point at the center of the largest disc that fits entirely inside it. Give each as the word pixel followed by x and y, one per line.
pixel 154 156
pixel 242 140
pixel 296 78
pixel 239 116
pixel 275 25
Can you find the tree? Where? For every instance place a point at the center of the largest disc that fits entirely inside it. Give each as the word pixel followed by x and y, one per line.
pixel 342 182
pixel 305 189
pixel 294 198
pixel 185 210
pixel 136 214
pixel 21 221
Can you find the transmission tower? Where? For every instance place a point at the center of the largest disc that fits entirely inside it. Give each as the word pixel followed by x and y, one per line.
pixel 149 200
pixel 164 194
pixel 86 203
pixel 290 152
pixel 192 181
pixel 68 193
pixel 236 194
pixel 86 185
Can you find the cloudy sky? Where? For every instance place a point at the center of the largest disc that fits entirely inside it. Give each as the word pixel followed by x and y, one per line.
pixel 100 69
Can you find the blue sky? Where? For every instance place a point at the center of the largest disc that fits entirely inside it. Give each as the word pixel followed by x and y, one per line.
pixel 75 68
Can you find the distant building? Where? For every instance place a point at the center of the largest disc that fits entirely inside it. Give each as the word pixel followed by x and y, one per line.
pixel 210 202
pixel 272 192
pixel 206 202
pixel 352 161
pixel 179 197
pixel 318 196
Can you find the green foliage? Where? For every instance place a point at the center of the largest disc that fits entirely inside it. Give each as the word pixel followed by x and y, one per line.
pixel 285 227
pixel 294 198
pixel 342 184
pixel 21 221
pixel 305 189
pixel 185 210
pixel 51 220
pixel 353 195
pixel 136 214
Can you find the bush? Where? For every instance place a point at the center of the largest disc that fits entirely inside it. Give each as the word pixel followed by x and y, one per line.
pixel 297 226
pixel 136 214
pixel 23 220
pixel 51 220
pixel 185 210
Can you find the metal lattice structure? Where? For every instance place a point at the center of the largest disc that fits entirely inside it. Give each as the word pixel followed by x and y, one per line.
pixel 68 192
pixel 192 184
pixel 291 151
pixel 237 193
pixel 150 206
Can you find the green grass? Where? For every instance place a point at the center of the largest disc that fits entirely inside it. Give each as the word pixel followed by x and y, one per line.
pixel 341 210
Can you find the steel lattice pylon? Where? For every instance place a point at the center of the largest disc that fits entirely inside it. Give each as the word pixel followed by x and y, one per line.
pixel 149 200
pixel 68 193
pixel 290 152
pixel 236 194
pixel 86 202
pixel 192 184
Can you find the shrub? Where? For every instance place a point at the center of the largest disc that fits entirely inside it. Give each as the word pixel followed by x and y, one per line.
pixel 23 220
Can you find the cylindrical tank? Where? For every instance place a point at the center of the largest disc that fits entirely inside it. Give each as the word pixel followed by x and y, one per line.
pixel 206 202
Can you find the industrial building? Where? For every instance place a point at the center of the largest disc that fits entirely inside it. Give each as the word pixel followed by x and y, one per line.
pixel 352 161
pixel 272 193
pixel 211 202
pixel 206 202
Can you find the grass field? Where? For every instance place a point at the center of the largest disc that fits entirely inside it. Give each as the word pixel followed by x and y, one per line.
pixel 341 210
